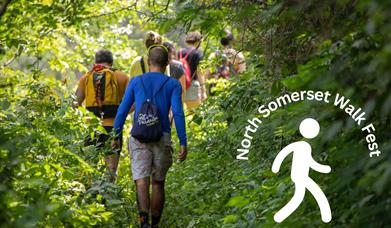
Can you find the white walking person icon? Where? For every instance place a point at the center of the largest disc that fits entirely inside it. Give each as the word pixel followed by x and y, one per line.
pixel 301 163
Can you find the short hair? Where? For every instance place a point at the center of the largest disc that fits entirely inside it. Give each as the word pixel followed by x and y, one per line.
pixel 193 37
pixel 152 38
pixel 104 56
pixel 158 56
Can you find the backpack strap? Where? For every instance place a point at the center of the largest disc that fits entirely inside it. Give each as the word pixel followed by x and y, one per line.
pixel 161 86
pixel 142 83
pixel 142 64
pixel 191 49
pixel 187 54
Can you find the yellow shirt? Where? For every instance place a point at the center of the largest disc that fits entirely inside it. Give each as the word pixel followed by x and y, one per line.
pixel 135 67
pixel 135 70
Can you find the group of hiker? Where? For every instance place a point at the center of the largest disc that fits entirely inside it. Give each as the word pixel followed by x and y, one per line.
pixel 161 81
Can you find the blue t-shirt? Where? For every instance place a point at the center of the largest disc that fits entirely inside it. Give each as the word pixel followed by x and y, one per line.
pixel 170 95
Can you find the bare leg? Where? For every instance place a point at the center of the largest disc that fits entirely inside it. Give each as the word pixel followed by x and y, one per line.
pixel 112 165
pixel 292 205
pixel 157 201
pixel 320 198
pixel 142 188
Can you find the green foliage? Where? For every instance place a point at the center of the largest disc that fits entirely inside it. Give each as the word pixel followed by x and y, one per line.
pixel 293 47
pixel 49 178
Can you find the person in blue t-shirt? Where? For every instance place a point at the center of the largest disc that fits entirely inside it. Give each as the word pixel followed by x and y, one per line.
pixel 152 160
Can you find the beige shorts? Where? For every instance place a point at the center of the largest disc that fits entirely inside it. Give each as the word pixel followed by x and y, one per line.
pixel 151 159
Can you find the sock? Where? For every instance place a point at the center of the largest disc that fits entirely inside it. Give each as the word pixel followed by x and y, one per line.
pixel 156 220
pixel 143 217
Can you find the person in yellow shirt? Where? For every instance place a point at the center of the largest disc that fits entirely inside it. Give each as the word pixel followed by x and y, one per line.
pixel 87 92
pixel 140 63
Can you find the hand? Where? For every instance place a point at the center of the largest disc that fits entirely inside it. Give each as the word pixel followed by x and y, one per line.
pixel 115 144
pixel 203 96
pixel 75 104
pixel 182 154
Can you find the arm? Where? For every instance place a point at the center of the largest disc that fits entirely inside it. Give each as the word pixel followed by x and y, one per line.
pixel 240 63
pixel 132 109
pixel 179 116
pixel 211 62
pixel 202 81
pixel 200 75
pixel 124 108
pixel 127 83
pixel 123 82
pixel 207 74
pixel 319 167
pixel 80 94
pixel 280 157
pixel 182 80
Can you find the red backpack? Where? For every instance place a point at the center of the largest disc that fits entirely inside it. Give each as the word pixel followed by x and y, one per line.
pixel 186 67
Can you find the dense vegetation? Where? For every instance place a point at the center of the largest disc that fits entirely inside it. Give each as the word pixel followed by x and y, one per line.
pixel 47 177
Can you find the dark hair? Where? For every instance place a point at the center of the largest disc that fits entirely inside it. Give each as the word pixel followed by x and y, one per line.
pixel 104 56
pixel 224 41
pixel 228 38
pixel 158 56
pixel 169 45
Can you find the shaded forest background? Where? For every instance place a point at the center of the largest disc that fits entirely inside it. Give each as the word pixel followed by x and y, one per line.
pixel 47 178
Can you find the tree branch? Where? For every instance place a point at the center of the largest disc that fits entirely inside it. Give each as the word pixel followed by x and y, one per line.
pixel 132 7
pixel 165 8
pixel 17 54
pixel 4 7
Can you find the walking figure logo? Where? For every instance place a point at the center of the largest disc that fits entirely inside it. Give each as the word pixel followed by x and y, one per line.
pixel 301 163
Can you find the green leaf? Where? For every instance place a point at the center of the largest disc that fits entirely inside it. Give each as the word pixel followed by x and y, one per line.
pixel 230 219
pixel 238 201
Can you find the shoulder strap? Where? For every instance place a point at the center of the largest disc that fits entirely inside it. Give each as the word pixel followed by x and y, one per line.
pixel 142 64
pixel 188 53
pixel 161 86
pixel 191 50
pixel 142 83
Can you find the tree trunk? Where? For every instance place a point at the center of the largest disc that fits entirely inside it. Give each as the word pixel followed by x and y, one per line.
pixel 4 7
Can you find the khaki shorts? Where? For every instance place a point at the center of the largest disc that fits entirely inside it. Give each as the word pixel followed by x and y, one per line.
pixel 151 159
